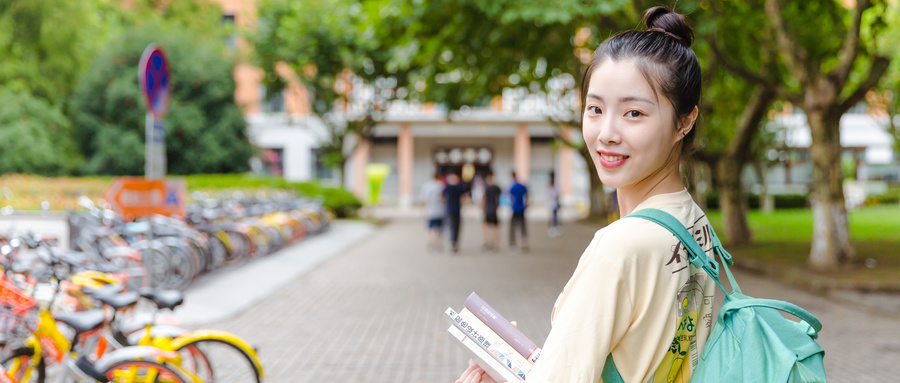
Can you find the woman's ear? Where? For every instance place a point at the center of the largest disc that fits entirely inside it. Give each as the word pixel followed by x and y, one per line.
pixel 687 123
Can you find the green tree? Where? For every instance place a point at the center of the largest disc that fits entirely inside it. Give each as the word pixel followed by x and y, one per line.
pixel 340 51
pixel 47 44
pixel 832 67
pixel 36 136
pixel 205 130
pixel 465 52
pixel 890 86
pixel 736 99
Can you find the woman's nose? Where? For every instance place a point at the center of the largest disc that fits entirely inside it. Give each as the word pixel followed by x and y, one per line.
pixel 609 131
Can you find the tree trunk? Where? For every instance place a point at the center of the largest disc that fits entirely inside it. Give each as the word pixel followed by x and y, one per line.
pixel 599 209
pixel 731 201
pixel 731 165
pixel 342 167
pixel 831 237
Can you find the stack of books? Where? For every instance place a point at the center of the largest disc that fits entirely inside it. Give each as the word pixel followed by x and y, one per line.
pixel 494 343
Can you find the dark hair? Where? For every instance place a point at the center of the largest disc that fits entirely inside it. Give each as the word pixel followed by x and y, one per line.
pixel 664 56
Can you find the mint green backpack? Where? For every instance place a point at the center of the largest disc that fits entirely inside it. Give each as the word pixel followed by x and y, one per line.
pixel 751 341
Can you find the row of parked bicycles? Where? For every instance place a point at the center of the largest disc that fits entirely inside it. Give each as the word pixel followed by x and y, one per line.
pixel 164 252
pixel 100 313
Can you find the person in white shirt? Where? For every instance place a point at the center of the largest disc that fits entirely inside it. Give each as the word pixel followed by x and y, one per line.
pixel 555 230
pixel 432 197
pixel 635 306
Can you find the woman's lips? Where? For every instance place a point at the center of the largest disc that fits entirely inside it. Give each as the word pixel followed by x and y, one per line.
pixel 611 160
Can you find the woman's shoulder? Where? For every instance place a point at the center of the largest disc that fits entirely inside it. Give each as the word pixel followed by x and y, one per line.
pixel 632 233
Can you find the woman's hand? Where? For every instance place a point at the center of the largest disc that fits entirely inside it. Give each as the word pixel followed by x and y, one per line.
pixel 474 374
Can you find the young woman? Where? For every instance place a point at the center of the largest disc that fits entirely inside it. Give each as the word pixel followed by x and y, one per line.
pixel 634 306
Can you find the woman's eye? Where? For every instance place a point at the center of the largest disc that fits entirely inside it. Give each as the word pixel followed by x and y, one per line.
pixel 634 114
pixel 594 109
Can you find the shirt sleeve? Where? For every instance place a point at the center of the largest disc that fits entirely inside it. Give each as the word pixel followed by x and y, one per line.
pixel 592 314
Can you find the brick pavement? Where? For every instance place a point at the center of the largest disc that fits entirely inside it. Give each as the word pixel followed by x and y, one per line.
pixel 373 313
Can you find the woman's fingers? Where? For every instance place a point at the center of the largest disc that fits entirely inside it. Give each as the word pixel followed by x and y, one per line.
pixel 475 376
pixel 464 378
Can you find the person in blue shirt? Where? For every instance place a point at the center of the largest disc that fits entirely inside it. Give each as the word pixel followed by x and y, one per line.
pixel 518 194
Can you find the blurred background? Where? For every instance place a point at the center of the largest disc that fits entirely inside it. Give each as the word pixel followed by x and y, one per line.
pixel 357 104
pixel 373 97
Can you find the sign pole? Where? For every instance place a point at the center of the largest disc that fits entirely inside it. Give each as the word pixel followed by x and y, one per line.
pixel 155 148
pixel 153 74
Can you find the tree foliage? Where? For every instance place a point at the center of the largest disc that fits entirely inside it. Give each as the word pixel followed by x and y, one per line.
pixel 342 52
pixel 205 130
pixel 36 136
pixel 47 44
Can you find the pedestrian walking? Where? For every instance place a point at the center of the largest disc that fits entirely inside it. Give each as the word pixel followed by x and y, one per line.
pixel 635 309
pixel 553 204
pixel 454 195
pixel 432 197
pixel 490 202
pixel 518 194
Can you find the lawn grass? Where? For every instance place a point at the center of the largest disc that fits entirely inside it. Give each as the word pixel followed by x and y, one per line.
pixel 782 242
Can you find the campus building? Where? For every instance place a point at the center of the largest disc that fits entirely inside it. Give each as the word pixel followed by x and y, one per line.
pixel 513 134
pixel 414 142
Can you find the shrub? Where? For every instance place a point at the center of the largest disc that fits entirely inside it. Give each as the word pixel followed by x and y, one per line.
pixel 782 201
pixel 342 202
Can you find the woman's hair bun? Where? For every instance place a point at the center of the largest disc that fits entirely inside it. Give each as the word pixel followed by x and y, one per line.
pixel 661 19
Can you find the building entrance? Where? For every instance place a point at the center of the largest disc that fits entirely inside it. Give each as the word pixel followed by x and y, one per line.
pixel 468 162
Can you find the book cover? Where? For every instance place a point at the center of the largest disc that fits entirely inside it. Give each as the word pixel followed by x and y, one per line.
pixel 490 365
pixel 503 328
pixel 479 332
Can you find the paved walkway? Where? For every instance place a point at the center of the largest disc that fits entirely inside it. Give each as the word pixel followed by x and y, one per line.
pixel 372 311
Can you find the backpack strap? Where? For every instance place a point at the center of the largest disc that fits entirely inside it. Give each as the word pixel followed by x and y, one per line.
pixel 696 255
pixel 787 307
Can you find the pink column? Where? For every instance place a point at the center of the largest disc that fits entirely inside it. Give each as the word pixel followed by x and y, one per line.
pixel 522 153
pixel 564 178
pixel 360 160
pixel 405 165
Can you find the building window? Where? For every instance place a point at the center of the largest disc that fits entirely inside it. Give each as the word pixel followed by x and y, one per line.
pixel 859 108
pixel 271 104
pixel 320 169
pixel 228 24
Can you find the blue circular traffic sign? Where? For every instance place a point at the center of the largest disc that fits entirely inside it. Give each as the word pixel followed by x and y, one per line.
pixel 153 73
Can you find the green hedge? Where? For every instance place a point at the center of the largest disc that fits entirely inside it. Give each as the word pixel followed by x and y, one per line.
pixel 782 201
pixel 887 199
pixel 342 202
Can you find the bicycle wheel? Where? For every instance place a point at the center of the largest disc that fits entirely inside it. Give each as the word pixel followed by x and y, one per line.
pixel 181 268
pixel 217 360
pixel 138 275
pixel 157 264
pixel 21 368
pixel 143 371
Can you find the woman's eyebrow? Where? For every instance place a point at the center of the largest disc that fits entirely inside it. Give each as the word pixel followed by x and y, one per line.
pixel 624 99
pixel 638 99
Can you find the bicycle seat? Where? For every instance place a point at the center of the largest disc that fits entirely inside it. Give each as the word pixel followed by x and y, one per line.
pixel 83 321
pixel 165 299
pixel 110 289
pixel 118 301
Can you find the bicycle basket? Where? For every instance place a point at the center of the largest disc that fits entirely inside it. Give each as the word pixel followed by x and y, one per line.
pixel 18 301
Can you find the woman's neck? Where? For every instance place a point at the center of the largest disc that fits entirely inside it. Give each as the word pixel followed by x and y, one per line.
pixel 667 181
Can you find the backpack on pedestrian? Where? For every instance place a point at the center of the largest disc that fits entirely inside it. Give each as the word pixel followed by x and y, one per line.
pixel 751 341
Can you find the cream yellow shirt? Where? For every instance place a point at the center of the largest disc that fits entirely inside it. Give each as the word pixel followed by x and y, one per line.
pixel 633 294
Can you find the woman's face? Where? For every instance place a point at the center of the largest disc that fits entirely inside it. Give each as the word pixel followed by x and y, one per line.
pixel 629 129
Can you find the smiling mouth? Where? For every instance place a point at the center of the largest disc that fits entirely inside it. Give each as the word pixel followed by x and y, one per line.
pixel 612 158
